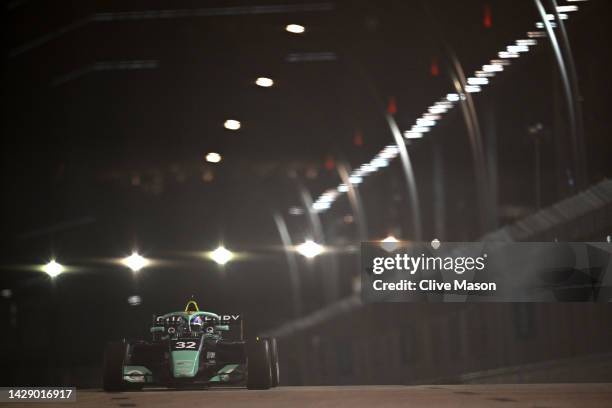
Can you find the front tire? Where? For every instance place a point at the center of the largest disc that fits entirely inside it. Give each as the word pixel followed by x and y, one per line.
pixel 259 364
pixel 114 357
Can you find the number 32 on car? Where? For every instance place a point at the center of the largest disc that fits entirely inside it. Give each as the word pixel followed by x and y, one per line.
pixel 185 345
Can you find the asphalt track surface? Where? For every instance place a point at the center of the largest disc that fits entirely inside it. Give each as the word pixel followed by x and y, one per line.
pixel 503 396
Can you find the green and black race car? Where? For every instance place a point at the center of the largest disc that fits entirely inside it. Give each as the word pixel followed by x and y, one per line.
pixel 188 349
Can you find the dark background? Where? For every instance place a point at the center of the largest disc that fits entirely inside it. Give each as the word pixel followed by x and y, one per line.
pixel 103 154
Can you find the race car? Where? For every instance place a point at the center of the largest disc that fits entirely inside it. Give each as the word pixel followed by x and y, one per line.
pixel 191 348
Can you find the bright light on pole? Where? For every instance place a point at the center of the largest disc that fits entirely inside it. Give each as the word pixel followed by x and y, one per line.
pixel 390 243
pixel 356 180
pixel 412 135
pixel 213 157
pixel 221 255
pixel 309 249
pixel 135 262
pixel 232 124
pixel 53 268
pixel 478 81
pixel 452 97
pixel 264 82
pixel 134 300
pixel 295 28
pixel 493 67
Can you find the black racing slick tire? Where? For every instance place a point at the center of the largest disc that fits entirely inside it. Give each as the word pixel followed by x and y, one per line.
pixel 259 364
pixel 275 366
pixel 114 357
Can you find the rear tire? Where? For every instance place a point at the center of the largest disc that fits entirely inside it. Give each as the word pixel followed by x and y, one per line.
pixel 274 359
pixel 114 357
pixel 259 364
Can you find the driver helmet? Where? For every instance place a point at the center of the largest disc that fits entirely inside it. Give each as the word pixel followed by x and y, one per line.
pixel 197 321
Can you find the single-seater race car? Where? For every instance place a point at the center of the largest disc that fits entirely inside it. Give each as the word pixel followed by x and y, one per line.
pixel 188 349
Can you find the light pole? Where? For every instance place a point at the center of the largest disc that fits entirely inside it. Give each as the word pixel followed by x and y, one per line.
pixel 294 275
pixel 53 269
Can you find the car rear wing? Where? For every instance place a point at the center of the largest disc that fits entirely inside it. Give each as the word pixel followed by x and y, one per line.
pixel 230 322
